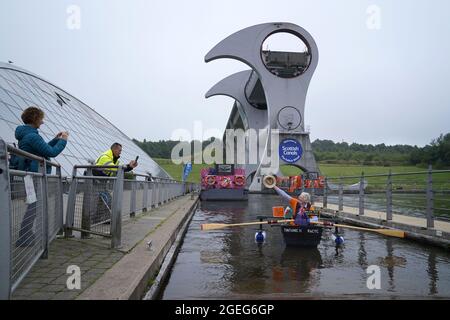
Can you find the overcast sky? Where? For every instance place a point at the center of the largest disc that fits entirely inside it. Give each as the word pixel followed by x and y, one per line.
pixel 380 79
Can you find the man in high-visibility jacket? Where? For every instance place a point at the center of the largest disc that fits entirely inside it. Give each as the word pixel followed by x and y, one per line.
pixel 111 158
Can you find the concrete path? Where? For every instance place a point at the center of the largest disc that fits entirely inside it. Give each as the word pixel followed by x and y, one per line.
pixel 108 273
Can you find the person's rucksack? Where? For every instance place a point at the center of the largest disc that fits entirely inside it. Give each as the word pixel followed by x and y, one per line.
pixel 14 162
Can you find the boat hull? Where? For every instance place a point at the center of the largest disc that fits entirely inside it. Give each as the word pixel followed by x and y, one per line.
pixel 302 236
pixel 224 195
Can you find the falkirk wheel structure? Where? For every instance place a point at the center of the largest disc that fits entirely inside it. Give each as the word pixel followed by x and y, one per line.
pixel 269 97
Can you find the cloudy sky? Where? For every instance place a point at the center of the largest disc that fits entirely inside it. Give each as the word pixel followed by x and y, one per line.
pixel 383 74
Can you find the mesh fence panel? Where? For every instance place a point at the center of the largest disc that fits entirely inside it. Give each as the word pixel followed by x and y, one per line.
pixel 139 186
pixel 27 243
pixel 54 205
pixel 126 200
pixel 93 205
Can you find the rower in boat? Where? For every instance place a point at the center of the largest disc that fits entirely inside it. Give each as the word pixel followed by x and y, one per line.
pixel 300 206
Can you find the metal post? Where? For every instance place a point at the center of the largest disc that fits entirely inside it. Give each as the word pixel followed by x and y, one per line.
pixel 152 194
pixel 389 197
pixel 61 202
pixel 361 195
pixel 303 182
pixel 5 225
pixel 325 193
pixel 430 198
pixel 87 205
pixel 71 201
pixel 341 195
pixel 145 197
pixel 156 190
pixel 133 199
pixel 116 215
pixel 44 193
pixel 165 192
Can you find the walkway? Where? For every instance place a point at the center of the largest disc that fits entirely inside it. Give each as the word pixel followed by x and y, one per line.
pixel 107 273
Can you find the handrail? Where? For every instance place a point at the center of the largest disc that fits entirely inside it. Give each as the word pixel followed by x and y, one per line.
pixel 80 166
pixel 392 174
pixel 31 156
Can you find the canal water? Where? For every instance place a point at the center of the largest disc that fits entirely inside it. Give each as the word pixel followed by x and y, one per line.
pixel 228 263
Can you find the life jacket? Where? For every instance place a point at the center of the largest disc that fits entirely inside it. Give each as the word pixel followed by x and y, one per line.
pixel 300 216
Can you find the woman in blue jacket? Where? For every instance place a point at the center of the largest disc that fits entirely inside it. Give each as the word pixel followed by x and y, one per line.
pixel 30 141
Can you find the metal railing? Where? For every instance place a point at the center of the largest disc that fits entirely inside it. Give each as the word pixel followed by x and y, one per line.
pixel 97 205
pixel 32 208
pixel 31 215
pixel 424 194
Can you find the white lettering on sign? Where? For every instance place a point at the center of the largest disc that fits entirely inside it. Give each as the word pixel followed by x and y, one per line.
pixel 290 150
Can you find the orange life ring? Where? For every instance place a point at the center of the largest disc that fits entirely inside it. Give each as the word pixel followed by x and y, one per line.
pixel 210 180
pixel 239 180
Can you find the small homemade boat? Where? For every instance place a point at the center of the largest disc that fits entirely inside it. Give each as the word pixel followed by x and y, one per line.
pixel 302 236
pixel 299 236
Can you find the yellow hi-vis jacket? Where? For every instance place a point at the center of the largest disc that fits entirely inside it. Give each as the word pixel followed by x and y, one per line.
pixel 107 159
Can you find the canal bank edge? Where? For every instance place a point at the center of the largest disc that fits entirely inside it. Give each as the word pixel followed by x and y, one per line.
pixel 154 289
pixel 414 233
pixel 128 279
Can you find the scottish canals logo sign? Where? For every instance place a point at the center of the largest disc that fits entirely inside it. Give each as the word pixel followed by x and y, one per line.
pixel 290 150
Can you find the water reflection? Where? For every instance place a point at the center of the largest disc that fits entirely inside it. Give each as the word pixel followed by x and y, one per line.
pixel 433 272
pixel 228 263
pixel 298 268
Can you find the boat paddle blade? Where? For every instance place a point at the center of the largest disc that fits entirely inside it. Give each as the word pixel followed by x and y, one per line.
pixel 213 226
pixel 392 233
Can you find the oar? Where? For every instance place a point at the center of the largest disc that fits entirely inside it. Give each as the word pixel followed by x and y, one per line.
pixel 213 226
pixel 386 232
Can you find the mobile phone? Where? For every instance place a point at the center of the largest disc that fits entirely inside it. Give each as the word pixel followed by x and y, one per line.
pixel 137 157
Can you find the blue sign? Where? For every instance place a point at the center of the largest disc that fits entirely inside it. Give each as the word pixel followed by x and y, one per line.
pixel 187 170
pixel 290 150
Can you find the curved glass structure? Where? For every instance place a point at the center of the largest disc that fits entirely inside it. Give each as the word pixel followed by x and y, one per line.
pixel 89 133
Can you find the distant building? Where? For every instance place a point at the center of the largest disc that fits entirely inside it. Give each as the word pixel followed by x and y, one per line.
pixel 90 134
